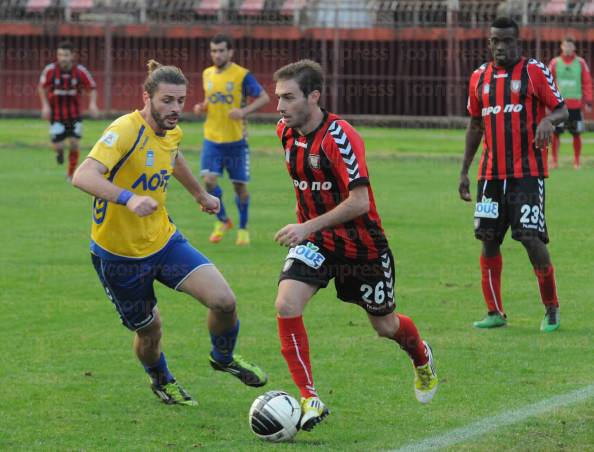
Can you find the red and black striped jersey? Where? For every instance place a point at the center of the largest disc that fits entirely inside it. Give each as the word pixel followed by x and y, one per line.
pixel 64 89
pixel 511 102
pixel 325 165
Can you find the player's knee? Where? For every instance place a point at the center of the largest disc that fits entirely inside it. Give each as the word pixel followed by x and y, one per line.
pixel 286 307
pixel 531 243
pixel 223 302
pixel 240 190
pixel 210 183
pixel 152 334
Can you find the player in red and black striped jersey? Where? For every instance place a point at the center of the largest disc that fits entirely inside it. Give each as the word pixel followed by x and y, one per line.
pixel 338 235
pixel 60 87
pixel 507 102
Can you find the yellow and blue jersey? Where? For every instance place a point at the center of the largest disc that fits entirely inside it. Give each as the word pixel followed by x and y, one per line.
pixel 225 91
pixel 138 160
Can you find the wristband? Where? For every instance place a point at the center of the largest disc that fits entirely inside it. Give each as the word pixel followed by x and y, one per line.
pixel 124 197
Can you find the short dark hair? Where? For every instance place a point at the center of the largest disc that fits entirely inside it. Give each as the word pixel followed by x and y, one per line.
pixel 307 73
pixel 65 45
pixel 506 22
pixel 157 73
pixel 221 37
pixel 569 38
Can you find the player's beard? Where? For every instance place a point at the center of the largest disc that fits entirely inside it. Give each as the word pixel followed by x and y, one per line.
pixel 222 65
pixel 159 119
pixel 300 119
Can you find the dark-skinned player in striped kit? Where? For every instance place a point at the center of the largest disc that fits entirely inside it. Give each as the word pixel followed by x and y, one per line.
pixel 507 101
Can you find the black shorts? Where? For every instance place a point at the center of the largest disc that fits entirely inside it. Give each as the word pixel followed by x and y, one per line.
pixel 519 203
pixel 575 124
pixel 370 284
pixel 59 131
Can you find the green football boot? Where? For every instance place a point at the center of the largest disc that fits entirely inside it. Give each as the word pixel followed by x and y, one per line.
pixel 492 320
pixel 173 394
pixel 248 373
pixel 426 380
pixel 551 321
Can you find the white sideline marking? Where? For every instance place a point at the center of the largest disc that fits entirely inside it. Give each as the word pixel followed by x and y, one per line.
pixel 506 418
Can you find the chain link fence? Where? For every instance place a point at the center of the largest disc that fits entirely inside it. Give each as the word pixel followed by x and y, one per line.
pixel 383 59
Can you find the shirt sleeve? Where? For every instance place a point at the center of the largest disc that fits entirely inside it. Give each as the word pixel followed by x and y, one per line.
pixel 86 79
pixel 111 147
pixel 545 88
pixel 250 87
pixel 46 76
pixel 552 65
pixel 345 149
pixel 473 105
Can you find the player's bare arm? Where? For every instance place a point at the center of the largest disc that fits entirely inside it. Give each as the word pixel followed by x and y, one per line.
pixel 89 177
pixel 546 127
pixel 201 107
pixel 474 135
pixel 259 102
pixel 45 106
pixel 93 109
pixel 355 205
pixel 182 172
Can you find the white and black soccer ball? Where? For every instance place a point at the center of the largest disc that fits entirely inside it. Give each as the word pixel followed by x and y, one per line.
pixel 274 416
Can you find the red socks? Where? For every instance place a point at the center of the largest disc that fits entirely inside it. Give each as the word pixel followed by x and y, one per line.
pixel 410 341
pixel 72 161
pixel 491 282
pixel 295 349
pixel 546 283
pixel 577 149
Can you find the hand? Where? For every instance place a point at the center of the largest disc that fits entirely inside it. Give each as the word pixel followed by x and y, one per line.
pixel 93 110
pixel 292 234
pixel 588 108
pixel 45 112
pixel 464 188
pixel 142 205
pixel 210 204
pixel 544 131
pixel 200 108
pixel 236 113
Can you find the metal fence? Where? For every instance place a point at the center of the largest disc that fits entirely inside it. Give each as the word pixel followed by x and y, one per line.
pixel 381 58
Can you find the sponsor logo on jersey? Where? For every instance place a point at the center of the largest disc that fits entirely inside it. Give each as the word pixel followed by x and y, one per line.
pixel 308 254
pixel 487 208
pixel 219 97
pixel 486 88
pixel 508 108
pixel 65 92
pixel 314 186
pixel 229 86
pixel 152 182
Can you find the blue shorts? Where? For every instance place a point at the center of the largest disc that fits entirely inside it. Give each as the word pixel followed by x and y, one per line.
pixel 235 157
pixel 128 283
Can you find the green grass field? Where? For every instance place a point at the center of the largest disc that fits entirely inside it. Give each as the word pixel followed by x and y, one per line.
pixel 69 380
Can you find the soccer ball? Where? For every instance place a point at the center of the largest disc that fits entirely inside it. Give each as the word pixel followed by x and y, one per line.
pixel 274 416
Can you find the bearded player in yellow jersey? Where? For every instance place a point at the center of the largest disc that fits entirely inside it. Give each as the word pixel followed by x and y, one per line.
pixel 226 89
pixel 134 242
